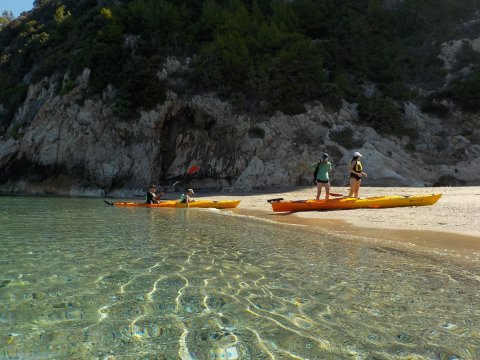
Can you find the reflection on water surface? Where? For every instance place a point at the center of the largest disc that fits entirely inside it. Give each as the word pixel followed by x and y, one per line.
pixel 80 280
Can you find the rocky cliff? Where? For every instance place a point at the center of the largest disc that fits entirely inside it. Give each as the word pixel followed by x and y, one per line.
pixel 73 144
pixel 398 81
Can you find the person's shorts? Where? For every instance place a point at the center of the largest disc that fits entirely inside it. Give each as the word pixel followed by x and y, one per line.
pixel 355 176
pixel 323 181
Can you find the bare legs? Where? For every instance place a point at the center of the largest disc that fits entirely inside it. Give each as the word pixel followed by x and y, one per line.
pixel 319 190
pixel 354 187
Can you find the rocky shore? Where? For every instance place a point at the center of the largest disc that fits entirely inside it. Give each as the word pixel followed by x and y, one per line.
pixel 74 145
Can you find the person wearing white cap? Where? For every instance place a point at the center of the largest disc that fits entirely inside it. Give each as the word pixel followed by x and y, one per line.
pixel 356 174
pixel 186 197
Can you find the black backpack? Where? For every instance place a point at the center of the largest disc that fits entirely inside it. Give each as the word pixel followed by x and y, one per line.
pixel 315 172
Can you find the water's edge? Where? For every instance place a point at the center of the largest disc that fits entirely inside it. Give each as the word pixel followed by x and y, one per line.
pixel 446 243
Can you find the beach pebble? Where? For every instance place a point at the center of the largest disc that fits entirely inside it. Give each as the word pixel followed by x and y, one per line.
pixel 5 283
pixel 449 326
pixel 232 353
pixel 404 338
pixel 38 295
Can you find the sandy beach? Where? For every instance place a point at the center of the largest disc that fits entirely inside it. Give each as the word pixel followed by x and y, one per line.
pixel 453 223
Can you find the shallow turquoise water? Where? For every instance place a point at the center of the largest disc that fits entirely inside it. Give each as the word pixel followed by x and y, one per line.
pixel 81 280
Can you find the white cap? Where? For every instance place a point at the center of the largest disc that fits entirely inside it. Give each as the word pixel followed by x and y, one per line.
pixel 356 153
pixel 191 190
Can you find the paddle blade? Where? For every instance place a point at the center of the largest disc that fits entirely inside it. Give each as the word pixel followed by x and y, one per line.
pixel 334 194
pixel 193 169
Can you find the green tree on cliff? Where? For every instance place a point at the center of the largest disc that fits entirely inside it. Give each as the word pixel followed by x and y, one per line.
pixel 265 54
pixel 5 18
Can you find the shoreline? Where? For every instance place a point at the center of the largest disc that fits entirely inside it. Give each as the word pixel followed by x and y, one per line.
pixel 452 224
pixel 423 238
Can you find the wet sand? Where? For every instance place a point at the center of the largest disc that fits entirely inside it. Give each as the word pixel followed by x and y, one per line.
pixel 453 223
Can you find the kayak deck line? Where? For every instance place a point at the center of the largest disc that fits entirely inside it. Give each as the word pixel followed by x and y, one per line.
pixel 217 204
pixel 348 203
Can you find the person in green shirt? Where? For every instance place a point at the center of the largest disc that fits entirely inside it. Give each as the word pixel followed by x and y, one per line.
pixel 321 178
pixel 186 197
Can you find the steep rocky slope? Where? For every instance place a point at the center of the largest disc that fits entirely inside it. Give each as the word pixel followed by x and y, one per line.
pixel 74 145
pixel 141 115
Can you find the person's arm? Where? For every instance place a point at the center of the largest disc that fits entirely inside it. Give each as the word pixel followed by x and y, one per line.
pixel 361 173
pixel 159 195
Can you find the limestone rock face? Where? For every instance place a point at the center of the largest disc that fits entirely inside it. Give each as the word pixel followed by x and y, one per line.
pixel 450 50
pixel 75 145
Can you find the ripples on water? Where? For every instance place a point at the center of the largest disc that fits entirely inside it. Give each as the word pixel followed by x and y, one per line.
pixel 80 280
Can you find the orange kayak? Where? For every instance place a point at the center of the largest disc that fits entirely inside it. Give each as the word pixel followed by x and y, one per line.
pixel 346 203
pixel 222 204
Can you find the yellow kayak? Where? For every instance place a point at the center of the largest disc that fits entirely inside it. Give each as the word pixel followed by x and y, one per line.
pixel 279 205
pixel 221 204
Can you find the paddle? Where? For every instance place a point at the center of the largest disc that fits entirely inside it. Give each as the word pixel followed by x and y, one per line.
pixel 186 178
pixel 171 188
pixel 281 199
pixel 193 169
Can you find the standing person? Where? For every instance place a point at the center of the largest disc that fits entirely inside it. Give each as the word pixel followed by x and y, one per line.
pixel 186 197
pixel 356 174
pixel 152 198
pixel 321 178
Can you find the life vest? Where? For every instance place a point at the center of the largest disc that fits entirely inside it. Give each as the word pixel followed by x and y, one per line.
pixel 358 166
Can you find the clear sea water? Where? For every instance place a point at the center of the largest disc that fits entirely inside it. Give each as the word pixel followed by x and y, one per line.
pixel 82 280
